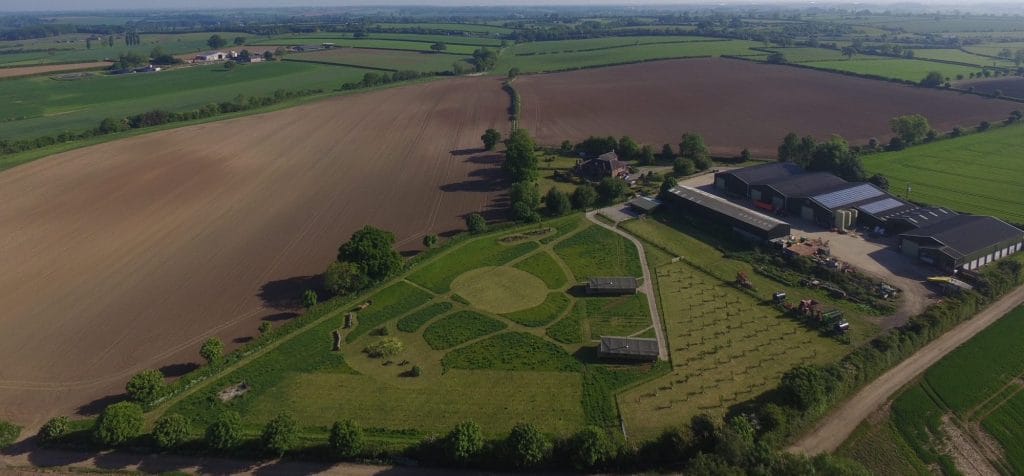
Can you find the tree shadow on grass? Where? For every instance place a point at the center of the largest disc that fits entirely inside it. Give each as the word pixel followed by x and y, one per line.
pixel 286 294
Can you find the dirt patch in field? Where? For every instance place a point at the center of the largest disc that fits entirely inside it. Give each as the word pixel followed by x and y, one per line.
pixel 734 104
pixel 126 255
pixel 969 456
pixel 1008 86
pixel 50 68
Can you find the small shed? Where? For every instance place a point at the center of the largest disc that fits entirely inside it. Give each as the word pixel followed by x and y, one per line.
pixel 612 285
pixel 628 348
pixel 644 204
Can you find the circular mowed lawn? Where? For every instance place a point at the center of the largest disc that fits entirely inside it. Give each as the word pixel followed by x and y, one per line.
pixel 500 289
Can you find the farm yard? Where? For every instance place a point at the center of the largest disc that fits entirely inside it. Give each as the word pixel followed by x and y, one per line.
pixel 775 100
pixel 479 353
pixel 40 105
pixel 213 228
pixel 976 173
pixel 966 413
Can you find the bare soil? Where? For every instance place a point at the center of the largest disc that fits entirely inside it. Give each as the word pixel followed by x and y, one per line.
pixel 125 256
pixel 734 104
pixel 50 68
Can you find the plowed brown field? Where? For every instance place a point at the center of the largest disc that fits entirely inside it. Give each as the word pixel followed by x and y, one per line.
pixel 734 104
pixel 125 256
pixel 50 68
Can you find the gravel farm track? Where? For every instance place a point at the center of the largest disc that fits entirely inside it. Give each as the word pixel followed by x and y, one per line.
pixel 734 104
pixel 124 256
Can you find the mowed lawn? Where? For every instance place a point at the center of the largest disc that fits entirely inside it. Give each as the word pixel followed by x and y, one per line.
pixel 569 56
pixel 978 173
pixel 37 106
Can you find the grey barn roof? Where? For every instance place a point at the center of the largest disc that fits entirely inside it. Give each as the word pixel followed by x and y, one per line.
pixel 645 203
pixel 806 185
pixel 922 217
pixel 628 346
pixel 725 207
pixel 759 174
pixel 612 282
pixel 964 235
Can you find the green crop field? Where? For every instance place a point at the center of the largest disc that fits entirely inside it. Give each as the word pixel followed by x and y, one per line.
pixel 626 54
pixel 38 105
pixel 472 361
pixel 978 383
pixel 317 38
pixel 383 59
pixel 372 43
pixel 726 347
pixel 960 56
pixel 881 450
pixel 568 46
pixel 453 27
pixel 71 48
pixel 896 68
pixel 977 173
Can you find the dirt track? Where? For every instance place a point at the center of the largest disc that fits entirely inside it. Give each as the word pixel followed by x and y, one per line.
pixel 734 104
pixel 126 255
pixel 833 430
pixel 50 68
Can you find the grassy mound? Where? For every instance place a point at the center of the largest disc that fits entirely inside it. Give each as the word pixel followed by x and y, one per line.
pixel 500 289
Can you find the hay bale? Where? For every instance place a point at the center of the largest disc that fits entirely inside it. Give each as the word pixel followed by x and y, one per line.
pixel 337 340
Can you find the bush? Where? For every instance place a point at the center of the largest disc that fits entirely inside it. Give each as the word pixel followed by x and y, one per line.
pixel 464 442
pixel 309 298
pixel 54 429
pixel 610 189
pixel 683 166
pixel 526 446
pixel 265 327
pixel 557 202
pixel 118 423
pixel 343 277
pixel 212 350
pixel 9 433
pixel 145 387
pixel 584 197
pixel 387 347
pixel 476 223
pixel 346 438
pixel 171 431
pixel 226 432
pixel 589 448
pixel 279 435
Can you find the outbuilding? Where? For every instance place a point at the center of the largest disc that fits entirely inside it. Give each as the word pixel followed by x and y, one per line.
pixel 739 181
pixel 628 348
pixel 746 222
pixel 616 285
pixel 965 242
pixel 644 204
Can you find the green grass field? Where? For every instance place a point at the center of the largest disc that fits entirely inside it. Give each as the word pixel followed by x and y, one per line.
pixel 960 57
pixel 568 46
pixel 71 48
pixel 373 43
pixel 453 27
pixel 382 59
pixel 881 450
pixel 896 68
pixel 993 49
pixel 597 252
pixel 977 173
pixel 496 369
pixel 626 54
pixel 39 105
pixel 326 37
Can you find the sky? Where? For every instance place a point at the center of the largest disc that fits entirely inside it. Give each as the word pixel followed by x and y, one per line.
pixel 81 5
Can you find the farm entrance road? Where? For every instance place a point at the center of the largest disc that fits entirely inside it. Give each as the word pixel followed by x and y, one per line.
pixel 647 288
pixel 833 430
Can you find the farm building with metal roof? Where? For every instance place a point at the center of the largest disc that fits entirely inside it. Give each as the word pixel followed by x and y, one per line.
pixel 612 285
pixel 749 223
pixel 628 348
pixel 914 218
pixel 644 204
pixel 739 181
pixel 962 242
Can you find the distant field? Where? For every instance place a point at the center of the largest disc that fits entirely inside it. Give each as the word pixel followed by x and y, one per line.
pixel 896 68
pixel 372 43
pixel 547 47
pixel 384 59
pixel 71 48
pixel 993 49
pixel 328 37
pixel 475 28
pixel 979 173
pixel 625 54
pixel 39 105
pixel 49 68
pixel 960 56
pixel 1012 86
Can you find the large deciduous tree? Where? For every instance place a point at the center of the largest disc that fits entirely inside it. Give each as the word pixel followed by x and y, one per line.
pixel 692 147
pixel 118 423
pixel 911 127
pixel 372 249
pixel 520 157
pixel 216 41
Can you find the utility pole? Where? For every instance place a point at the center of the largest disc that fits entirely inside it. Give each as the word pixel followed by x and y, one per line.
pixel 908 191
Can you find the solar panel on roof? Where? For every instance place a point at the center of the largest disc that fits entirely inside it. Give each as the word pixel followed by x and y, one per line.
pixel 848 195
pixel 881 205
